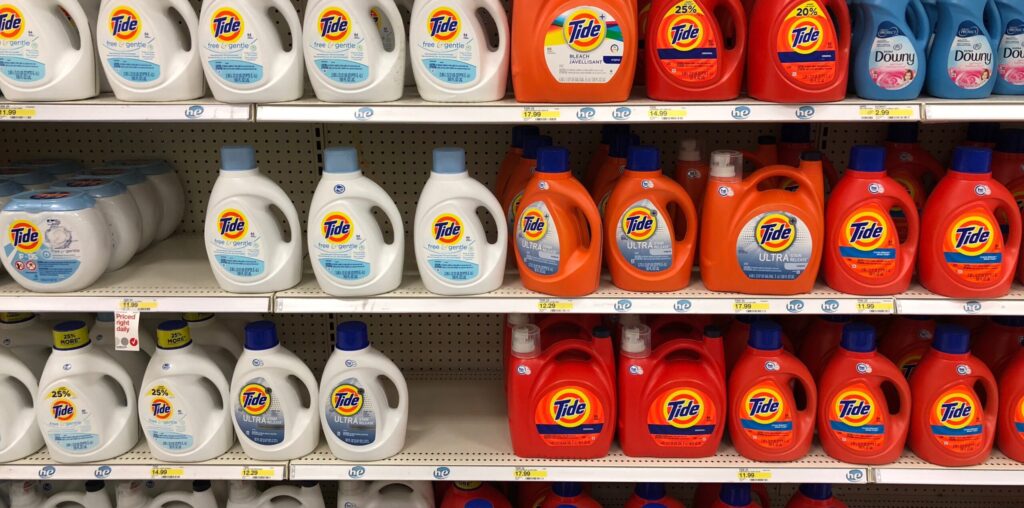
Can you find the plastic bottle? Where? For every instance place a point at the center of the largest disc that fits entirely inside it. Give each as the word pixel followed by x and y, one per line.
pixel 346 244
pixel 85 406
pixel 1010 427
pixel 243 494
pixel 451 56
pixel 1010 50
pixel 146 197
pixel 608 134
pixel 209 331
pixel 515 154
pixel 949 426
pixel 1008 156
pixel 911 165
pixel 132 495
pixel 794 141
pixel 119 211
pixel 452 251
pixel 244 240
pixel 610 171
pixel 558 240
pixel 652 495
pixel 708 493
pixel 814 495
pixel 473 494
pixel 998 341
pixel 384 494
pixel 28 337
pixel 569 495
pixel 961 63
pixel 906 341
pixel 19 434
pixel 512 198
pixel 26 495
pixel 734 495
pixel 823 338
pixel 269 387
pixel 242 52
pixel 163 177
pixel 889 59
pixel 692 171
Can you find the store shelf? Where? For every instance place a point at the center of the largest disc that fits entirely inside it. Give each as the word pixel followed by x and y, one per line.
pixel 997 470
pixel 997 108
pixel 920 301
pixel 106 108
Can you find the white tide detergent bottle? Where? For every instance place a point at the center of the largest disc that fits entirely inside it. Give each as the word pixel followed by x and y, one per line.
pixel 451 56
pixel 85 406
pixel 162 176
pixel 244 241
pixel 385 494
pixel 346 245
pixel 242 54
pixel 184 402
pixel 19 434
pixel 38 57
pixel 451 246
pixel 25 494
pixel 27 337
pixel 146 196
pixel 243 494
pixel 347 57
pixel 211 332
pixel 272 393
pixel 118 207
pixel 145 54
pixel 359 421
pixel 133 495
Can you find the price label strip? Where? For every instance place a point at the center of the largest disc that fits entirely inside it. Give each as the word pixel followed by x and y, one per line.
pixel 750 306
pixel 869 306
pixel 666 114
pixel 554 306
pixel 533 114
pixel 166 473
pixel 131 304
pixel 887 113
pixel 530 473
pixel 12 112
pixel 257 473
pixel 754 475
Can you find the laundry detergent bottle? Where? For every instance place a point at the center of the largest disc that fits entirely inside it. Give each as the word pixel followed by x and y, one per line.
pixel 1010 53
pixel 569 495
pixel 514 155
pixel 473 494
pixel 652 495
pixel 521 174
pixel 906 341
pixel 1010 428
pixel 814 495
pixel 962 59
pixel 889 60
pixel 243 494
pixel 19 433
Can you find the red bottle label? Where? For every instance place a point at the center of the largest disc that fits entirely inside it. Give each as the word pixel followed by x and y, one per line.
pixel 956 421
pixel 973 247
pixel 807 45
pixel 868 243
pixel 1018 418
pixel 765 416
pixel 856 419
pixel 687 43
pixel 682 418
pixel 570 416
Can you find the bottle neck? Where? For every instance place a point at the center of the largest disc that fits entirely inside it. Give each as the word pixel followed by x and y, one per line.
pixel 629 173
pixel 970 177
pixel 564 175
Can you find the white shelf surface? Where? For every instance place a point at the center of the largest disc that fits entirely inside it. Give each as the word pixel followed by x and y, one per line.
pixel 997 470
pixel 106 108
pixel 920 301
pixel 996 108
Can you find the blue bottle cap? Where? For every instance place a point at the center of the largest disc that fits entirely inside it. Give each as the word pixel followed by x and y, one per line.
pixel 521 132
pixel 982 132
pixel 765 335
pixel 1010 141
pixel 903 132
pixel 817 491
pixel 237 157
pixel 567 489
pixel 552 159
pixel 341 159
pixel 105 317
pixel 650 491
pixel 858 337
pixel 449 161
pixel 972 160
pixel 951 339
pixel 534 143
pixel 735 494
pixel 10 188
pixel 49 201
pixel 1011 321
pixel 619 148
pixel 352 336
pixel 98 188
pixel 796 133
pixel 261 336
pixel 643 158
pixel 867 158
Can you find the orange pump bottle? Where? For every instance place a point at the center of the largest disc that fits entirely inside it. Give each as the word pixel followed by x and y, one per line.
pixel 1010 432
pixel 608 135
pixel 519 176
pixel 823 339
pixel 644 247
pixel 611 170
pixel 814 495
pixel 906 341
pixel 949 426
pixel 513 156
pixel 692 171
pixel 904 152
pixel 998 342
pixel 558 231
pixel 765 423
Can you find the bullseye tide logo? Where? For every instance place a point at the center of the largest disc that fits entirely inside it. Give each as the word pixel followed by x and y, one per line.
pixel 162 409
pixel 866 231
pixel 447 229
pixel 533 224
pixel 855 408
pixel 125 24
pixel 686 33
pixel 254 399
pixel 337 228
pixel 775 232
pixel 227 25
pixel 584 30
pixel 232 225
pixel 444 24
pixel 639 224
pixel 955 410
pixel 570 407
pixel 12 23
pixel 972 235
pixel 335 25
pixel 347 400
pixel 683 409
pixel 805 35
pixel 764 405
pixel 25 236
pixel 63 410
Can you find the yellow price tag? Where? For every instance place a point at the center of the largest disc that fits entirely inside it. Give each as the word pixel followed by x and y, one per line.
pixel 256 473
pixel 12 112
pixel 750 306
pixel 541 114
pixel 530 473
pixel 129 304
pixel 667 114
pixel 754 475
pixel 554 306
pixel 886 113
pixel 166 473
pixel 875 306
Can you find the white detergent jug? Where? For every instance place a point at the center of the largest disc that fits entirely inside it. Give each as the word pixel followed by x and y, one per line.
pixel 19 434
pixel 144 53
pixel 118 207
pixel 38 59
pixel 28 337
pixel 243 494
pixel 244 241
pixel 451 56
pixel 242 54
pixel 147 198
pixel 133 495
pixel 451 246
pixel 346 244
pixel 184 400
pixel 85 406
pixel 161 174
pixel 347 57
pixel 210 332
pixel 25 494
pixel 29 177
pixel 359 421
pixel 385 494
pixel 273 394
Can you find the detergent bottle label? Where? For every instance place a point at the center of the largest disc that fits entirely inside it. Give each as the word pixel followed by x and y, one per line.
pixel 682 418
pixel 237 245
pixel 643 238
pixel 233 52
pixel 807 45
pixel 584 45
pixel 70 425
pixel 537 238
pixel 957 420
pixel 973 247
pixel 451 250
pixel 451 50
pixel 868 243
pixel 1011 53
pixel 766 416
pixel 166 419
pixel 908 363
pixel 133 53
pixel 774 246
pixel 48 256
pixel 342 250
pixel 856 418
pixel 19 47
pixel 339 53
pixel 351 415
pixel 893 64
pixel 970 57
pixel 258 413
pixel 570 416
pixel 687 44
pixel 1018 417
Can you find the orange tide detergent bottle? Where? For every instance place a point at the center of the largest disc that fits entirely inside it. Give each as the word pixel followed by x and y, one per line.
pixel 949 426
pixel 824 337
pixel 757 241
pixel 645 248
pixel 561 399
pixel 796 141
pixel 1008 156
pixel 574 50
pixel 673 396
pixel 569 495
pixel 765 423
pixel 998 342
pixel 612 169
pixel 906 341
pixel 608 134
pixel 737 335
pixel 904 153
pixel 708 493
pixel 963 253
pixel 652 495
pixel 766 153
pixel 558 230
pixel 864 254
pixel 673 326
pixel 513 156
pixel 692 171
pixel 1010 431
pixel 855 422
pixel 519 176
pixel 474 494
pixel 814 495
pixel 799 50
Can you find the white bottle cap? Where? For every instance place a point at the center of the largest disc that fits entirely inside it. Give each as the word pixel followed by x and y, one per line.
pixel 519 319
pixel 636 340
pixel 689 151
pixel 525 340
pixel 627 320
pixel 726 163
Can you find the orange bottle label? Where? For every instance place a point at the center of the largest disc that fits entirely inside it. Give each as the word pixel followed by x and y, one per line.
pixel 956 420
pixel 682 418
pixel 584 45
pixel 687 43
pixel 774 246
pixel 868 242
pixel 807 45
pixel 570 416
pixel 537 238
pixel 766 417
pixel 973 247
pixel 856 420
pixel 644 239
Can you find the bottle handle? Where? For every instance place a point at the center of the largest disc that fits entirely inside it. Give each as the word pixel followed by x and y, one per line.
pixel 395 415
pixel 86 54
pixel 739 19
pixel 685 204
pixel 777 171
pixel 1008 205
pixel 991 398
pixel 291 17
pixel 842 13
pixel 188 14
pixel 690 345
pixel 493 59
pixel 908 248
pixel 277 197
pixel 125 382
pixel 593 217
pixel 397 54
pixel 921 26
pixel 498 251
pixel 394 249
pixel 994 23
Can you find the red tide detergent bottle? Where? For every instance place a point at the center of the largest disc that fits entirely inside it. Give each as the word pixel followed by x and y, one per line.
pixel 799 50
pixel 734 495
pixel 903 151
pixel 949 425
pixel 823 338
pixel 765 423
pixel 998 342
pixel 855 422
pixel 688 56
pixel 863 253
pixel 814 495
pixel 795 141
pixel 708 493
pixel 652 495
pixel 1008 156
pixel 513 156
pixel 906 341
pixel 737 335
pixel 673 397
pixel 474 494
pixel 531 494
pixel 569 495
pixel 1010 430
pixel 963 253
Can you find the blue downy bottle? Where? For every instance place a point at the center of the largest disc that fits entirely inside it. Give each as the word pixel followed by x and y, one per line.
pixel 961 62
pixel 932 8
pixel 1010 56
pixel 889 56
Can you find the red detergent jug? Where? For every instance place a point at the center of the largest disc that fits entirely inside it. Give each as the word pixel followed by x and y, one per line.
pixel 903 151
pixel 470 494
pixel 796 141
pixel 674 326
pixel 583 327
pixel 799 50
pixel 950 426
pixel 569 495
pixel 765 423
pixel 734 495
pixel 906 341
pixel 531 494
pixel 998 342
pixel 1008 156
pixel 963 253
pixel 814 495
pixel 855 421
pixel 513 156
pixel 707 494
pixel 737 334
pixel 651 495
pixel 1010 433
pixel 822 340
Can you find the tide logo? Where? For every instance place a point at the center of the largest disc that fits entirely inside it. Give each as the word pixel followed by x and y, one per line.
pixel 448 229
pixel 533 225
pixel 955 410
pixel 972 235
pixel 254 399
pixel 25 236
pixel 347 400
pixel 125 24
pixel 686 33
pixel 866 231
pixel 232 225
pixel 227 25
pixel 764 405
pixel 12 23
pixel 570 408
pixel 584 30
pixel 335 25
pixel 639 224
pixel 63 410
pixel 337 228
pixel 683 409
pixel 854 407
pixel 444 24
pixel 805 36
pixel 775 232
pixel 162 409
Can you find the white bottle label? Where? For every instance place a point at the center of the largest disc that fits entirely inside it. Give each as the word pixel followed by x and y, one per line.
pixel 451 250
pixel 233 53
pixel 236 244
pixel 341 249
pixel 970 62
pixel 584 45
pixel 19 47
pixel 643 237
pixel 893 64
pixel 258 413
pixel 1011 53
pixel 450 51
pixel 537 238
pixel 340 50
pixel 351 415
pixel 132 50
pixel 166 419
pixel 48 256
pixel 70 426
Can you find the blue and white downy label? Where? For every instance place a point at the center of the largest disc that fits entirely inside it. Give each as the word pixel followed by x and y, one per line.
pixel 451 249
pixel 19 47
pixel 1011 53
pixel 132 49
pixel 351 414
pixel 70 426
pixel 774 246
pixel 48 256
pixel 894 63
pixel 236 244
pixel 643 237
pixel 341 249
pixel 339 53
pixel 449 51
pixel 537 238
pixel 166 419
pixel 970 62
pixel 258 413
